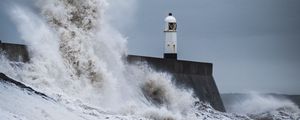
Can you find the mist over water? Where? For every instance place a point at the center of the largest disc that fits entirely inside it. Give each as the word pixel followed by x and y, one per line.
pixel 77 58
pixel 255 103
pixel 263 106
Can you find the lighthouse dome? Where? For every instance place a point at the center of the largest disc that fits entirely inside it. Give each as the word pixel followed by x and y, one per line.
pixel 170 19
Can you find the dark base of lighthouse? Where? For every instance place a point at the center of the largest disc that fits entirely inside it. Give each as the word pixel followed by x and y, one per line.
pixel 170 56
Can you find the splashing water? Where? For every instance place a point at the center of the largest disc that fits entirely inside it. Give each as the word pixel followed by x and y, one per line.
pixel 77 59
pixel 259 106
pixel 77 56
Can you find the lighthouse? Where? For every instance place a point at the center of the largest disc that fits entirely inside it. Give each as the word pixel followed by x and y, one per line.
pixel 170 37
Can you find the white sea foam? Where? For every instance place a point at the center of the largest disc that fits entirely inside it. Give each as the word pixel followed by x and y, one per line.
pixel 76 56
pixel 265 106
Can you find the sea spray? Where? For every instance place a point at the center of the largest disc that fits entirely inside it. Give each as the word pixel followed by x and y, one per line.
pixel 77 54
pixel 264 106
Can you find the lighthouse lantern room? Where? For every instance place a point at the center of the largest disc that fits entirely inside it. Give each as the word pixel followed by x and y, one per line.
pixel 170 37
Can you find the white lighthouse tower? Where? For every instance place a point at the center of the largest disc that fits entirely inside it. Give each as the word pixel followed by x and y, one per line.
pixel 170 37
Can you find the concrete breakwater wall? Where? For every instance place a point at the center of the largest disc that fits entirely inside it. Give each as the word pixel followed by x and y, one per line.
pixel 14 52
pixel 195 75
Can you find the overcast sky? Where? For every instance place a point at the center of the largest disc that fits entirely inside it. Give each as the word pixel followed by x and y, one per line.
pixel 254 45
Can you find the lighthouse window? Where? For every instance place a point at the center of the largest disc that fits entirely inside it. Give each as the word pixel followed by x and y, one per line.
pixel 172 26
pixel 174 48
